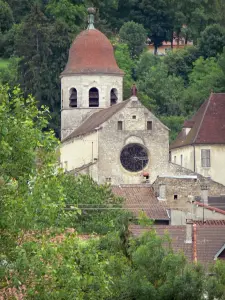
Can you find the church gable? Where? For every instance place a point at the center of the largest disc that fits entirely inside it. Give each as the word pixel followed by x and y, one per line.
pixel 135 117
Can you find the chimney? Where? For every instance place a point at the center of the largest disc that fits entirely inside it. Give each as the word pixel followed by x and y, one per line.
pixel 189 225
pixel 204 194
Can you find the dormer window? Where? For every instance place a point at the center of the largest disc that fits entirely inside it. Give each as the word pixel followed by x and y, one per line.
pixel 93 97
pixel 113 96
pixel 73 97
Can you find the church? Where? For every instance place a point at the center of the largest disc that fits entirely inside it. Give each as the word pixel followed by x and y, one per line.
pixel 113 140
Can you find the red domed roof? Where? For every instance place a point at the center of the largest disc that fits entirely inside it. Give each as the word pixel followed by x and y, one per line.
pixel 91 53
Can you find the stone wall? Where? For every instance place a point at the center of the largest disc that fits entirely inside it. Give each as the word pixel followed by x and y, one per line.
pixel 71 118
pixel 111 142
pixel 181 190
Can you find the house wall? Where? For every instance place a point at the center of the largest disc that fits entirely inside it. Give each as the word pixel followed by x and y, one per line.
pixel 194 212
pixel 79 152
pixel 186 189
pixel 72 117
pixel 217 157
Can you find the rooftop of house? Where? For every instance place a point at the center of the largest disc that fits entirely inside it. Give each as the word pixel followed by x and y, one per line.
pixel 207 126
pixel 141 198
pixel 208 243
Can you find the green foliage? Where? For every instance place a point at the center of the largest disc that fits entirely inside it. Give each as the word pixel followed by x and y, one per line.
pixel 212 40
pixel 155 17
pixel 9 71
pixel 6 16
pixel 126 64
pixel 134 35
pixel 180 63
pixel 101 210
pixel 164 89
pixel 174 123
pixel 205 78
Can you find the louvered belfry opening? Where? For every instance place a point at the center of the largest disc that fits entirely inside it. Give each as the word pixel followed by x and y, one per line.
pixel 73 97
pixel 93 97
pixel 113 96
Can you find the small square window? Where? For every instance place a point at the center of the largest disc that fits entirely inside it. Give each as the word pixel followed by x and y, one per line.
pixel 175 197
pixel 149 125
pixel 133 117
pixel 120 125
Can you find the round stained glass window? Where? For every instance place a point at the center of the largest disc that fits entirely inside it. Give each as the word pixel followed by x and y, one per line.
pixel 134 157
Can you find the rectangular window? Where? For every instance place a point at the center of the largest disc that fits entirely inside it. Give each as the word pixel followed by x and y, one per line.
pixel 149 125
pixel 181 160
pixel 175 159
pixel 205 158
pixel 120 125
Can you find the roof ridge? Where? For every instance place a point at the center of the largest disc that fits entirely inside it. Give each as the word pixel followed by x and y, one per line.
pixel 203 116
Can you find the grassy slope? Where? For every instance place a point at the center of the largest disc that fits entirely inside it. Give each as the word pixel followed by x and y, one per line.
pixel 3 63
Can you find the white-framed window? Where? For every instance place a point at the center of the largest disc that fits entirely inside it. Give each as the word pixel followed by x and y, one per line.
pixel 181 160
pixel 175 159
pixel 205 158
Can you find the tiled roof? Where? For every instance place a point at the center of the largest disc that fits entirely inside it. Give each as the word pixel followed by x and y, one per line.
pixel 91 53
pixel 210 222
pixel 142 198
pixel 176 233
pixel 210 238
pixel 96 119
pixel 207 125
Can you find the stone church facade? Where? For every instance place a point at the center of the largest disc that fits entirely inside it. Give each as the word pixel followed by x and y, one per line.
pixel 115 141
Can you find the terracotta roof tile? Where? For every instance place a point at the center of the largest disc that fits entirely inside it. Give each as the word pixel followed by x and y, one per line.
pixel 95 120
pixel 210 239
pixel 91 53
pixel 176 233
pixel 207 125
pixel 142 198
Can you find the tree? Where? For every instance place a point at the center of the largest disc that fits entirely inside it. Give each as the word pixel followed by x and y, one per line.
pixel 165 90
pixel 212 40
pixel 180 63
pixel 154 15
pixel 43 47
pixel 134 35
pixel 100 208
pixel 125 63
pixel 206 77
pixel 6 16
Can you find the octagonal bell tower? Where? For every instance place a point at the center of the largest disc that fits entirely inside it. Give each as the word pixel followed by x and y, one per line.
pixel 91 80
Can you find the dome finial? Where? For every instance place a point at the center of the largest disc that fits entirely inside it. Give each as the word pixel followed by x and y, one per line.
pixel 91 17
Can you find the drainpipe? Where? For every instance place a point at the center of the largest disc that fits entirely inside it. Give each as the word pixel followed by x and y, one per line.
pixel 194 243
pixel 194 159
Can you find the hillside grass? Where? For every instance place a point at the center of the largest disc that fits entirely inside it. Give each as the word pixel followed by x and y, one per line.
pixel 4 63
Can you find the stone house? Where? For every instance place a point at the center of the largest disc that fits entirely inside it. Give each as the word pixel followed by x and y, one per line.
pixel 200 146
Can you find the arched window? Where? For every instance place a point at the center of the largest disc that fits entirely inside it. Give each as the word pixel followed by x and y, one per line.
pixel 93 97
pixel 73 97
pixel 113 96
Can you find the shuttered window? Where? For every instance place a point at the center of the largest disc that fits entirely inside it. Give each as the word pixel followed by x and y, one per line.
pixel 205 158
